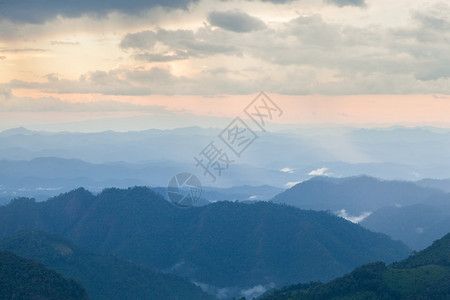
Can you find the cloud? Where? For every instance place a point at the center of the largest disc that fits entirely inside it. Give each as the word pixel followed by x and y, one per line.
pixel 219 293
pixel 229 292
pixel 287 170
pixel 354 219
pixel 342 3
pixel 114 82
pixel 5 93
pixel 236 21
pixel 313 30
pixel 308 54
pixel 320 172
pixel 278 1
pixel 426 42
pixel 435 17
pixel 2 57
pixel 48 188
pixel 19 50
pixel 40 11
pixel 256 291
pixel 174 44
pixel 9 103
pixel 138 82
pixel 434 72
pixel 292 183
pixel 64 43
pixel 140 40
pixel 361 60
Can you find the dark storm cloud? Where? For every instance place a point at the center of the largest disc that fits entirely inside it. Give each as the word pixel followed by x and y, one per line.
pixel 40 11
pixel 342 3
pixel 236 21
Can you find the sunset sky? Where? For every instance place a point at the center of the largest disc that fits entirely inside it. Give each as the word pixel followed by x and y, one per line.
pixel 129 65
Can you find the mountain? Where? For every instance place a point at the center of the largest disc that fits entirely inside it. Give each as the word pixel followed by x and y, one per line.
pixel 424 275
pixel 437 254
pixel 391 153
pixel 417 225
pixel 22 278
pixel 103 276
pixel 235 193
pixel 226 246
pixel 441 184
pixel 45 177
pixel 354 194
pixel 49 176
pixel 405 211
pixel 16 131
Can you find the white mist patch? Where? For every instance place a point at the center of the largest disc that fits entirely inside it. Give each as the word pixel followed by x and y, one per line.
pixel 48 188
pixel 287 170
pixel 235 292
pixel 256 290
pixel 354 219
pixel 219 293
pixel 419 230
pixel 320 172
pixel 292 183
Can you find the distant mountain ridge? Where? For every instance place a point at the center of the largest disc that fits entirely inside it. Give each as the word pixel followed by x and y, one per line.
pixel 17 131
pixel 408 212
pixel 354 194
pixel 441 184
pixel 226 245
pixel 417 225
pixel 391 153
pixel 53 175
pixel 43 177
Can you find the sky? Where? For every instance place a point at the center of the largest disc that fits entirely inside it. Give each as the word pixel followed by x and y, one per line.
pixel 127 65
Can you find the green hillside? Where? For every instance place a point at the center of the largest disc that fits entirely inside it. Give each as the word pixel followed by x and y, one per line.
pixel 424 275
pixel 22 278
pixel 103 276
pixel 224 245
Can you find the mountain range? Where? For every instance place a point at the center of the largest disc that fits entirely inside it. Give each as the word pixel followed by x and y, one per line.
pixel 423 275
pixel 406 211
pixel 226 248
pixel 278 158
